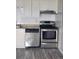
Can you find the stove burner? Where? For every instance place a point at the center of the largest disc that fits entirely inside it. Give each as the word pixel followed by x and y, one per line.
pixel 48 27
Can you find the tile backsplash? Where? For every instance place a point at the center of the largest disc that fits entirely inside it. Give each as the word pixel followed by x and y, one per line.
pixel 33 20
pixel 25 20
pixel 47 17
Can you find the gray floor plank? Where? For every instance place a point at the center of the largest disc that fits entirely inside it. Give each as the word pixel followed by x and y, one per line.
pixel 28 54
pixel 20 53
pixel 38 53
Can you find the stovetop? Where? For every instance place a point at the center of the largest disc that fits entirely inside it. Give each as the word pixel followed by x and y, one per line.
pixel 48 27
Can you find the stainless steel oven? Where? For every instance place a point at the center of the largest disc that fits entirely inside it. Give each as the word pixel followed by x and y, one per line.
pixel 49 35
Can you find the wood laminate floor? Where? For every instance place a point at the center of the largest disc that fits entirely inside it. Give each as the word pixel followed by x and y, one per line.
pixel 38 53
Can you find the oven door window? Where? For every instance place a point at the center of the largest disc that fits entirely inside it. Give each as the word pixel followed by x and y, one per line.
pixel 49 35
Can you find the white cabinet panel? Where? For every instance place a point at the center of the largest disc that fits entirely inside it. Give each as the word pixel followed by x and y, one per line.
pixel 43 4
pixel 27 8
pixel 35 8
pixel 20 33
pixel 53 4
pixel 19 10
pixel 19 3
pixel 24 6
pixel 49 5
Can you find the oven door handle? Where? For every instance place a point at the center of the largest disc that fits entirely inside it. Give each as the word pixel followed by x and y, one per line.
pixel 48 30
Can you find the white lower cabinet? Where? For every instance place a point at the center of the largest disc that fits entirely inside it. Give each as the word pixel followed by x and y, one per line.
pixel 20 33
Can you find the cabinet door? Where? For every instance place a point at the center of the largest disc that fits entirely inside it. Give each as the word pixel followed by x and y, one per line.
pixel 43 4
pixel 35 8
pixel 20 33
pixel 19 10
pixel 52 4
pixel 49 5
pixel 27 8
pixel 19 3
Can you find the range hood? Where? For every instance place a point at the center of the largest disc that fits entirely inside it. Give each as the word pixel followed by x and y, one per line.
pixel 47 12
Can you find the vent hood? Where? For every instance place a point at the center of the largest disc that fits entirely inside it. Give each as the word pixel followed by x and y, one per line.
pixel 47 12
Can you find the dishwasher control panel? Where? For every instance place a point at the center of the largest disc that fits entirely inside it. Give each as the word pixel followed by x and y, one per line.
pixel 31 30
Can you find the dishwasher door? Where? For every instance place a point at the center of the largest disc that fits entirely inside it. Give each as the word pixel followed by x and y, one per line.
pixel 32 38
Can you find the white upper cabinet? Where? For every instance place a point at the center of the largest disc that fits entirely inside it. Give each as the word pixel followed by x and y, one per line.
pixel 43 4
pixel 27 8
pixel 19 9
pixel 35 8
pixel 49 5
pixel 31 8
pixel 19 3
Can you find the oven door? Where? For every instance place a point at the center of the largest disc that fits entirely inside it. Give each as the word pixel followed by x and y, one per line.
pixel 48 35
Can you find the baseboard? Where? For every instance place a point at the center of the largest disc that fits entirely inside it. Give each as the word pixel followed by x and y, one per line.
pixel 61 51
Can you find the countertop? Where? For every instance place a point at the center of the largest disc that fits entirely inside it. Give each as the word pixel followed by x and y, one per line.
pixel 23 26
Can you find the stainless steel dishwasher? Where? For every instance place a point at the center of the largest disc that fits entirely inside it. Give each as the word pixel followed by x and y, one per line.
pixel 32 37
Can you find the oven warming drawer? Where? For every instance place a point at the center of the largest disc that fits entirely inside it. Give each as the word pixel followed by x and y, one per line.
pixel 49 45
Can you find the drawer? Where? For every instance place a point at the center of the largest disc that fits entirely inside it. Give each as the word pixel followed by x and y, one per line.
pixel 49 45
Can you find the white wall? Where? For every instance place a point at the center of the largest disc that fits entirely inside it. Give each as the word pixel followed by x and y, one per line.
pixel 59 21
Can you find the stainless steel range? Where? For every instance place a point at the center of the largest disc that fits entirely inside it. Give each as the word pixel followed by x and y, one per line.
pixel 49 34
